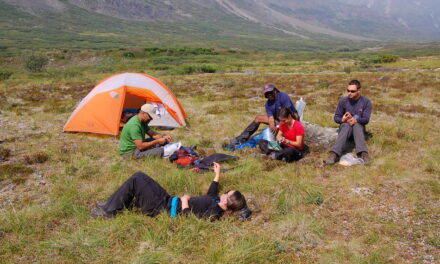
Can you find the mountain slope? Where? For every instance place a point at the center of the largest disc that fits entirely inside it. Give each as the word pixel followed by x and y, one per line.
pixel 276 24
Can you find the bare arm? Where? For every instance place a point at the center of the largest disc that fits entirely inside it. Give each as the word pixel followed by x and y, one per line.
pixel 217 171
pixel 298 143
pixel 185 201
pixel 146 145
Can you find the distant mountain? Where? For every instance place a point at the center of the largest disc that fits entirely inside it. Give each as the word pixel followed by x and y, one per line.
pixel 248 23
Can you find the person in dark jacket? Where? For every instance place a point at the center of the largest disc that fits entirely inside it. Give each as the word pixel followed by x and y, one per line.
pixel 275 101
pixel 352 114
pixel 143 192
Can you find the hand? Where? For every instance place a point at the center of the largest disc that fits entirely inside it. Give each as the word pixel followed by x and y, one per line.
pixel 273 129
pixel 168 138
pixel 346 117
pixel 185 197
pixel 161 141
pixel 184 200
pixel 280 137
pixel 217 167
pixel 352 121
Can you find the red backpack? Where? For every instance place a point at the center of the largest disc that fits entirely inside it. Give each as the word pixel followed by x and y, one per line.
pixel 184 158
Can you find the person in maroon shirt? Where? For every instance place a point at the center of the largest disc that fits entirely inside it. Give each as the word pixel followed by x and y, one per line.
pixel 143 192
pixel 291 137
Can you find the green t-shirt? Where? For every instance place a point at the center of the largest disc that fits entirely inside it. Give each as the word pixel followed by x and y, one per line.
pixel 134 129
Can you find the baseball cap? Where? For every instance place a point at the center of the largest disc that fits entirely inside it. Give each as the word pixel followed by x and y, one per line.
pixel 269 88
pixel 149 109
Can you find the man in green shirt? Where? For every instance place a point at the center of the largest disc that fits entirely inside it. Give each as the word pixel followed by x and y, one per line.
pixel 133 135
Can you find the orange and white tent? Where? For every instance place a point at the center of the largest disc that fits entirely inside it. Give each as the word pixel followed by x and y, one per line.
pixel 100 111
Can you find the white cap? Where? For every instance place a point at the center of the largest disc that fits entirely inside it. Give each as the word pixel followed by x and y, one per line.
pixel 149 109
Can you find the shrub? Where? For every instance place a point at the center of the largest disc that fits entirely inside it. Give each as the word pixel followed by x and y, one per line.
pixel 208 69
pixel 128 54
pixel 35 62
pixel 5 74
pixel 36 158
pixel 388 58
pixel 4 153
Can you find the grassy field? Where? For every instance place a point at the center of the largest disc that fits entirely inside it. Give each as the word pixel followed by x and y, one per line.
pixel 386 212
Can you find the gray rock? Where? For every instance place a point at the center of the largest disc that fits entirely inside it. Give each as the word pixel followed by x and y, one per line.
pixel 320 136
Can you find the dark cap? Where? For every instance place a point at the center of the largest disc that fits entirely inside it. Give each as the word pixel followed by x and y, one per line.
pixel 269 88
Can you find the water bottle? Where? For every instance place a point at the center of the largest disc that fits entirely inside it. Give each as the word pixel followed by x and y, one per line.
pixel 300 105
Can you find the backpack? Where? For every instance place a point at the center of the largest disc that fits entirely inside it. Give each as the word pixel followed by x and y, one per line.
pixel 185 158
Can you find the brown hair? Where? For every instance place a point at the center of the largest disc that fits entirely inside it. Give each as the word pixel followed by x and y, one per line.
pixel 236 201
pixel 286 112
pixel 355 82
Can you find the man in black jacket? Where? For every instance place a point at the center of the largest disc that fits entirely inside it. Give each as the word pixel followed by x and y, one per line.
pixel 152 199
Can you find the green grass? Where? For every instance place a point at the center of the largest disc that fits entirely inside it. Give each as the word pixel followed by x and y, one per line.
pixel 50 180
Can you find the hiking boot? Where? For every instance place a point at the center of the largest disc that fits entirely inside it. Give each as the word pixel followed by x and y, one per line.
pixel 100 204
pixel 100 213
pixel 231 146
pixel 332 158
pixel 365 157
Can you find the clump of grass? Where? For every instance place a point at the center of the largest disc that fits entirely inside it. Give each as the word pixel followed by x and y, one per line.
pixel 36 158
pixel 5 74
pixel 314 198
pixel 4 153
pixel 15 172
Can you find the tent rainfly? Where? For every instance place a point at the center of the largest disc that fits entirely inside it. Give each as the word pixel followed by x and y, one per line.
pixel 100 111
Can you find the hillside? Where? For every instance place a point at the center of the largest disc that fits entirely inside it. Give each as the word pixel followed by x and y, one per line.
pixel 256 24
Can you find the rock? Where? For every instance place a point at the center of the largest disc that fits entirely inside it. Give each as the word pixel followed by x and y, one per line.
pixel 320 136
pixel 384 78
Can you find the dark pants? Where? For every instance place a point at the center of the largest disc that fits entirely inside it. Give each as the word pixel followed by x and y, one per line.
pixel 287 154
pixel 141 189
pixel 346 131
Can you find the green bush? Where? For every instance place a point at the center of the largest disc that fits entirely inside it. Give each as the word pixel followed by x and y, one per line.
pixel 388 58
pixel 5 74
pixel 129 54
pixel 35 62
pixel 208 69
pixel 366 62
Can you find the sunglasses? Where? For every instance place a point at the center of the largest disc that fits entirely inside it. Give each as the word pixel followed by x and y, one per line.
pixel 269 94
pixel 351 91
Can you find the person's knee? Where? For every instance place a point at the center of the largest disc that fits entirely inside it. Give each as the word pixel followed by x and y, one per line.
pixel 358 126
pixel 139 175
pixel 344 125
pixel 260 119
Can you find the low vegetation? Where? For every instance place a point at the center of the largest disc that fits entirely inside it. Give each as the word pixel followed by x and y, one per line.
pixel 386 212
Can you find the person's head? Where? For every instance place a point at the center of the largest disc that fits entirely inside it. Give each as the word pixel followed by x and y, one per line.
pixel 147 113
pixel 233 200
pixel 354 89
pixel 286 115
pixel 270 91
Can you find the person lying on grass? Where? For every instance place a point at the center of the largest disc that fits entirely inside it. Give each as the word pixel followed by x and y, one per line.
pixel 290 136
pixel 143 192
